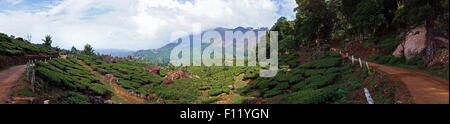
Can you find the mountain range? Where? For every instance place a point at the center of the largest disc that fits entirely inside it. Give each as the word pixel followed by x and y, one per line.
pixel 162 55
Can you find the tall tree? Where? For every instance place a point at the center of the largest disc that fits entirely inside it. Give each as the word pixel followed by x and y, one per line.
pixel 314 20
pixel 348 8
pixel 73 50
pixel 88 50
pixel 48 41
pixel 368 17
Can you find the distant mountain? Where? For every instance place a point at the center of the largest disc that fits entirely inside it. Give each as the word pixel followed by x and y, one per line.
pixel 115 52
pixel 162 55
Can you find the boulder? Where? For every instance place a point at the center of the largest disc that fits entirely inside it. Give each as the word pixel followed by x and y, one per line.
pixel 111 78
pixel 414 44
pixel 155 70
pixel 96 100
pixel 167 81
pixel 108 58
pixel 176 75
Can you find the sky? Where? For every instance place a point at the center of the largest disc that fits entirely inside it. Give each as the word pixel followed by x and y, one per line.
pixel 131 24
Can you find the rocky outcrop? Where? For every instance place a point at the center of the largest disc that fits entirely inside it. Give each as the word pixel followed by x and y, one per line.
pixel 153 69
pixel 414 44
pixel 108 58
pixel 167 81
pixel 175 75
pixel 111 78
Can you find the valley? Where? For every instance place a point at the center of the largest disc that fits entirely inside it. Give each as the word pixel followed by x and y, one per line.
pixel 326 52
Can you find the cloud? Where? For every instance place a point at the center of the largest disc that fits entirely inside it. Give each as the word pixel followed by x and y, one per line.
pixel 136 24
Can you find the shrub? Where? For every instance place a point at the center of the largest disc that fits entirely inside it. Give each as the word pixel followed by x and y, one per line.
pixel 210 100
pixel 75 98
pixel 310 96
pixel 414 61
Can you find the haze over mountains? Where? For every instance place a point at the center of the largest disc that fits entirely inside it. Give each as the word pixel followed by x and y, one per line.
pixel 115 52
pixel 163 54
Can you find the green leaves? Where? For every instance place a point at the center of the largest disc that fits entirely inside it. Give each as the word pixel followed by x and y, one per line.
pixel 70 76
pixel 315 20
pixel 13 47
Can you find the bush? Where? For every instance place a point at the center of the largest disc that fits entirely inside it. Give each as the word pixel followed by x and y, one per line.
pixel 311 96
pixel 75 98
pixel 210 100
pixel 414 61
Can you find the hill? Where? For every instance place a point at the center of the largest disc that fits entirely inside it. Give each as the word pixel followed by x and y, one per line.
pixel 162 55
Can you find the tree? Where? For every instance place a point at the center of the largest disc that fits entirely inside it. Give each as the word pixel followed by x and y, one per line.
pixel 48 41
pixel 314 20
pixel 348 8
pixel 418 12
pixel 88 50
pixel 284 28
pixel 368 17
pixel 73 50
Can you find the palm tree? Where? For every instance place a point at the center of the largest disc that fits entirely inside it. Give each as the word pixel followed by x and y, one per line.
pixel 48 41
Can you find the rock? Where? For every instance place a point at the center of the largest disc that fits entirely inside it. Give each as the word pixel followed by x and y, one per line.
pixel 46 102
pixel 121 59
pixel 176 75
pixel 108 58
pixel 252 100
pixel 155 70
pixel 167 81
pixel 231 87
pixel 96 100
pixel 414 44
pixel 160 101
pixel 441 58
pixel 111 78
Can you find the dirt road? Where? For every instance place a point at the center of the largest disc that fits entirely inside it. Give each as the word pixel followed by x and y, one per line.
pixel 7 79
pixel 424 88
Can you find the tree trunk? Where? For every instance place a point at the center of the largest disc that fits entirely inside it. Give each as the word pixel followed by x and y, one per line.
pixel 431 45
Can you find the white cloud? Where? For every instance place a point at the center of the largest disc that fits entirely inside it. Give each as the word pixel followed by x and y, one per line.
pixel 136 24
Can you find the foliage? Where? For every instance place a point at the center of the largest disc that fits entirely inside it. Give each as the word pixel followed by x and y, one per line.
pixel 88 50
pixel 12 47
pixel 70 76
pixel 368 16
pixel 315 20
pixel 48 41
pixel 130 73
pixel 312 77
pixel 75 98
